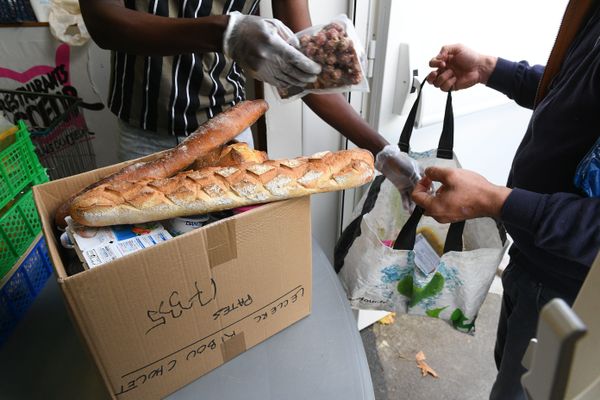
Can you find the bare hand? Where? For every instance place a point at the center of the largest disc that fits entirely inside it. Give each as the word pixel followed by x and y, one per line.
pixel 463 195
pixel 459 67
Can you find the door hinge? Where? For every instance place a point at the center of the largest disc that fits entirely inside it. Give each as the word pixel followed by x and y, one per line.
pixel 371 57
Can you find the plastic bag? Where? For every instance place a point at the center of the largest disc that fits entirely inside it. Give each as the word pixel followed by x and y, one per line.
pixel 587 176
pixel 389 258
pixel 335 46
pixel 66 22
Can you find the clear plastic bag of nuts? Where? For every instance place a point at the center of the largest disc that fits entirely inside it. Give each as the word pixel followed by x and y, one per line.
pixel 335 46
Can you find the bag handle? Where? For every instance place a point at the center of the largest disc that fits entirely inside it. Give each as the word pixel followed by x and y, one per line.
pixel 406 237
pixel 446 143
pixel 445 150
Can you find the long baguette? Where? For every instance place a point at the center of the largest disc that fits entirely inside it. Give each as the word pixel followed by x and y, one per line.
pixel 231 155
pixel 218 188
pixel 208 138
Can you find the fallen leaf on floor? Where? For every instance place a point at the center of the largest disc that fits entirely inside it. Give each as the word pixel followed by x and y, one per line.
pixel 423 366
pixel 388 319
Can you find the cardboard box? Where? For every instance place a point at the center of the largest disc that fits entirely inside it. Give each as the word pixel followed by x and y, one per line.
pixel 158 319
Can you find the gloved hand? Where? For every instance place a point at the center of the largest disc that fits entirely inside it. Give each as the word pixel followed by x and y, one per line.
pixel 402 170
pixel 260 46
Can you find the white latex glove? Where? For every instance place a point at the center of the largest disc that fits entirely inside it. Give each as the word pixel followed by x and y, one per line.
pixel 403 171
pixel 260 46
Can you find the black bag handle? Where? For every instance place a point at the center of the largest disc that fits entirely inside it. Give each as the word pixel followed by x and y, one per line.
pixel 353 231
pixel 406 237
pixel 445 150
pixel 446 143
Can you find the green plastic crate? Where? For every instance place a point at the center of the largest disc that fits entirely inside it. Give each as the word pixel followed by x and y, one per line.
pixel 18 227
pixel 19 166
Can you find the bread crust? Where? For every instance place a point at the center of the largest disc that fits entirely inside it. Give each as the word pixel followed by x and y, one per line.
pixel 217 188
pixel 207 139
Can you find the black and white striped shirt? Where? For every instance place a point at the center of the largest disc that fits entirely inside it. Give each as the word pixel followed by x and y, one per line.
pixel 174 95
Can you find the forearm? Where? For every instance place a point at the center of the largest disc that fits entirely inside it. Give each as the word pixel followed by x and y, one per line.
pixel 112 26
pixel 337 112
pixel 518 81
pixel 563 224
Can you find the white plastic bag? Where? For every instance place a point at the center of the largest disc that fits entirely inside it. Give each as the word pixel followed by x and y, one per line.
pixel 335 46
pixel 391 259
pixel 66 22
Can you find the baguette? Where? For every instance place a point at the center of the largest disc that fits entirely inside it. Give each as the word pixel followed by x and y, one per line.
pixel 209 137
pixel 219 188
pixel 231 155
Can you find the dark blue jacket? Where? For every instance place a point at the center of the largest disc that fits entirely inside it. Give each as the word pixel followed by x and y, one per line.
pixel 556 230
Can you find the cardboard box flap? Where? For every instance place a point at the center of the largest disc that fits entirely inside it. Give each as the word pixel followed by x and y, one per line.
pixel 47 202
pixel 221 242
pixel 49 196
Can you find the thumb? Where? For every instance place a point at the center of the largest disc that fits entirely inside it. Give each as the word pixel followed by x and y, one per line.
pixel 283 31
pixel 420 194
pixel 303 63
pixel 422 198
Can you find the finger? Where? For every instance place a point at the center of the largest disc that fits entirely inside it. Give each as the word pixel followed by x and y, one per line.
pixel 438 174
pixel 301 62
pixel 431 77
pixel 299 74
pixel 423 200
pixel 437 63
pixel 442 77
pixel 421 194
pixel 423 185
pixel 449 84
pixel 443 54
pixel 440 191
pixel 283 31
pixel 292 78
pixel 451 49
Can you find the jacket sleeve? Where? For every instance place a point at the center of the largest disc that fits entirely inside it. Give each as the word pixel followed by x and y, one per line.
pixel 563 224
pixel 518 80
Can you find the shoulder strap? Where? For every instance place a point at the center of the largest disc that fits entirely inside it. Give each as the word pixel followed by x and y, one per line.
pixel 573 19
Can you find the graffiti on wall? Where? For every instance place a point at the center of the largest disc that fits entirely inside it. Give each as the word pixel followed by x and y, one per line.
pixel 40 105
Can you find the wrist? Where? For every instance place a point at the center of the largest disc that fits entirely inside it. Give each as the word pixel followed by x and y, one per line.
pixel 487 65
pixel 218 25
pixel 496 199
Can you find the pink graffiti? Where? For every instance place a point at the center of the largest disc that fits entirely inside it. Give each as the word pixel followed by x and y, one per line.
pixel 62 57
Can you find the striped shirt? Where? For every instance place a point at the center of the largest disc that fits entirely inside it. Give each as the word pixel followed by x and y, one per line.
pixel 174 95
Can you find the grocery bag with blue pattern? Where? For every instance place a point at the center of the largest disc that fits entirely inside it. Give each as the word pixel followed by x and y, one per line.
pixel 396 259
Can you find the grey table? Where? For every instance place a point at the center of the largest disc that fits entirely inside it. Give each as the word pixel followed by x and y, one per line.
pixel 319 357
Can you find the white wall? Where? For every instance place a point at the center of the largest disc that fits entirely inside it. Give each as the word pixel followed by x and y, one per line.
pixel 511 29
pixel 488 126
pixel 484 141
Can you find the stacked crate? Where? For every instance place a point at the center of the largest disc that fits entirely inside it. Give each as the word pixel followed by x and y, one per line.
pixel 24 262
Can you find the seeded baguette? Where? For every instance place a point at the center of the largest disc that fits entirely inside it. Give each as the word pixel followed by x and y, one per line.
pixel 219 188
pixel 209 137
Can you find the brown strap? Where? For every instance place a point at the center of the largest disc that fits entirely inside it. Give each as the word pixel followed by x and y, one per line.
pixel 575 16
